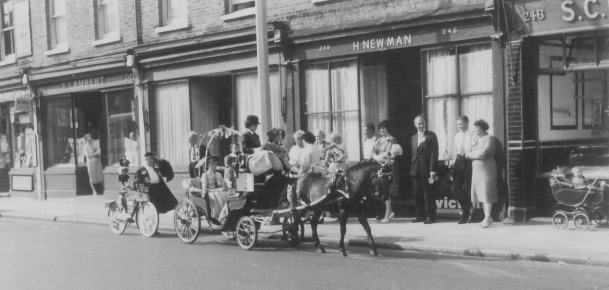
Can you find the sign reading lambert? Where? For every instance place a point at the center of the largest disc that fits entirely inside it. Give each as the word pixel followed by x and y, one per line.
pixel 543 17
pixel 86 84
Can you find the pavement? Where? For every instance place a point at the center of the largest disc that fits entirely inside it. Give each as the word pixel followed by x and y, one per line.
pixel 535 240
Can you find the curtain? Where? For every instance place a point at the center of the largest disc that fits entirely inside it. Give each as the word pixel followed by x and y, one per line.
pixel 476 76
pixel 176 11
pixel 249 102
pixel 108 17
pixel 317 84
pixel 59 22
pixel 374 94
pixel 172 114
pixel 343 80
pixel 442 115
pixel 441 72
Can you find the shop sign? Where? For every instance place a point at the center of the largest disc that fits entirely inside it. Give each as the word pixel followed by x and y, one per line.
pixel 22 105
pixel 395 39
pixel 544 17
pixel 86 84
pixel 14 94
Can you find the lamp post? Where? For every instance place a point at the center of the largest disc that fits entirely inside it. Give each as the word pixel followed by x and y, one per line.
pixel 263 64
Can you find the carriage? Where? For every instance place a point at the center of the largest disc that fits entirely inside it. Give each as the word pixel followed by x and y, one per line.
pixel 581 205
pixel 256 202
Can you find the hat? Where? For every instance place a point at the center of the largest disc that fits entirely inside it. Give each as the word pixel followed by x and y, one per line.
pixel 124 163
pixel 148 154
pixel 213 157
pixel 272 133
pixel 251 119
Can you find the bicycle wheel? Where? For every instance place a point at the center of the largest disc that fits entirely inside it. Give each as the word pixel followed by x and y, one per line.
pixel 148 219
pixel 186 221
pixel 117 225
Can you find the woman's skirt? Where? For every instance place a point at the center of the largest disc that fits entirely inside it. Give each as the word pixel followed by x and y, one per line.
pixel 162 198
pixel 94 168
pixel 484 181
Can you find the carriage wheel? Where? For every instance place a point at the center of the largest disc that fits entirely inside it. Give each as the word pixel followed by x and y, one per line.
pixel 187 222
pixel 147 219
pixel 247 233
pixel 229 235
pixel 581 221
pixel 117 226
pixel 601 218
pixel 560 220
pixel 293 230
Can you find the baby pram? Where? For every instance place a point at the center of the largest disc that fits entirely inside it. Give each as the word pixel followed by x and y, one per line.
pixel 578 204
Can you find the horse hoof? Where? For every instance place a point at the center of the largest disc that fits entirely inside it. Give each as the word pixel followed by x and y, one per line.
pixel 321 250
pixel 374 253
pixel 343 253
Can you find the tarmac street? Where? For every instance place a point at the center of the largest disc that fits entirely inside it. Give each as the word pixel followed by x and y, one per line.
pixel 536 240
pixel 43 255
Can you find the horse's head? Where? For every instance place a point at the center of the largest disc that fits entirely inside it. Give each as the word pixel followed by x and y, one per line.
pixel 361 177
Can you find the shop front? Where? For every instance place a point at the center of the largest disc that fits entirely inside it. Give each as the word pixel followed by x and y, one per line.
pixel 441 69
pixel 102 105
pixel 565 75
pixel 200 92
pixel 18 143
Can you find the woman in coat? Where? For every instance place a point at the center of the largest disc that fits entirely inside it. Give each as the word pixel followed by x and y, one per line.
pixel 484 170
pixel 148 179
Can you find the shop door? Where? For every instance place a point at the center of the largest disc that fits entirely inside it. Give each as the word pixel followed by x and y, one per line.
pixel 88 120
pixel 5 149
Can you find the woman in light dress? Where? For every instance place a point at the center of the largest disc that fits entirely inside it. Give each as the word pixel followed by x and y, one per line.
pixel 382 153
pixel 213 183
pixel 94 165
pixel 484 170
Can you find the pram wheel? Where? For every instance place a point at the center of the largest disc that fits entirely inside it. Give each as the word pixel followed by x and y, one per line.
pixel 581 221
pixel 560 220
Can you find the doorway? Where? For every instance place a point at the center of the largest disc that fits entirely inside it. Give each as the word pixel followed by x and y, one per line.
pixel 88 116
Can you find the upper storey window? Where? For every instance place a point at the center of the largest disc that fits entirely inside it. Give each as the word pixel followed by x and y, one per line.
pixel 57 16
pixel 238 9
pixel 173 15
pixel 106 12
pixel 7 47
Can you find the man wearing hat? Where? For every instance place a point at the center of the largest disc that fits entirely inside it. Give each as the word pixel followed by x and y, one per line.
pixel 251 140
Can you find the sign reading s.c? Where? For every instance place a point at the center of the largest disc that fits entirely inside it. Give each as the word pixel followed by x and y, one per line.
pixel 589 7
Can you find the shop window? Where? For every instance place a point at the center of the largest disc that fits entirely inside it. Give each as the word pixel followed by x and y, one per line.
pixel 8 31
pixel 373 87
pixel 59 130
pixel 173 12
pixel 459 81
pixel 332 102
pixel 591 89
pixel 58 24
pixel 604 55
pixel 249 102
pixel 582 52
pixel 171 107
pixel 122 127
pixel 107 17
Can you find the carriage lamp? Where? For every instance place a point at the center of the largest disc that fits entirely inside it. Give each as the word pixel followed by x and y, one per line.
pixel 25 78
pixel 129 58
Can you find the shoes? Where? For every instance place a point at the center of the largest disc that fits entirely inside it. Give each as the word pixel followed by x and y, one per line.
pixel 379 217
pixel 418 220
pixel 429 221
pixel 321 221
pixel 388 219
pixel 486 222
pixel 464 220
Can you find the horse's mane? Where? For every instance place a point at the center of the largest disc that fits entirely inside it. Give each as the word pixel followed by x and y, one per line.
pixel 361 165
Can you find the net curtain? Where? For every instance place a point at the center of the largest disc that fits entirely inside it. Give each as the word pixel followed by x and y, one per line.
pixel 249 102
pixel 172 112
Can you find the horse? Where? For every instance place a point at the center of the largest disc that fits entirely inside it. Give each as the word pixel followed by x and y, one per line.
pixel 346 193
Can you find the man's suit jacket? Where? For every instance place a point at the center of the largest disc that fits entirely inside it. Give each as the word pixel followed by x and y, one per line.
pixel 250 141
pixel 425 156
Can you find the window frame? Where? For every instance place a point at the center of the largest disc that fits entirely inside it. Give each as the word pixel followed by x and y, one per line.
pixel 3 32
pixel 108 37
pixel 232 13
pixel 53 44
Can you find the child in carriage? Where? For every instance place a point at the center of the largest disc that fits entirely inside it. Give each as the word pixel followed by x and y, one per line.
pixel 213 183
pixel 578 181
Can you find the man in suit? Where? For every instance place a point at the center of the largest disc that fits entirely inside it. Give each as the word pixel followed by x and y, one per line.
pixel 251 140
pixel 424 146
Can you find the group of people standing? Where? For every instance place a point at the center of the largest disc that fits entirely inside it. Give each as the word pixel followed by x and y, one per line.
pixel 475 170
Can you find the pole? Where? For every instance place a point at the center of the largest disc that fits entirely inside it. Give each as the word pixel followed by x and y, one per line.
pixel 263 65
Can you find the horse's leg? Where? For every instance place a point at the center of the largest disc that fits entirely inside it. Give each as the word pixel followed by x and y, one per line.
pixel 361 215
pixel 314 222
pixel 342 217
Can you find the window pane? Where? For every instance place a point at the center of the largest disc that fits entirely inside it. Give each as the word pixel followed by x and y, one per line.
pixel 8 42
pixel 582 52
pixel 476 68
pixel 478 107
pixel 172 121
pixel 563 106
pixel 442 115
pixel 592 86
pixel 317 87
pixel 605 49
pixel 59 31
pixel 108 18
pixel 122 128
pixel 551 54
pixel 249 102
pixel 58 7
pixel 59 133
pixel 176 11
pixel 343 80
pixel 374 94
pixel 441 67
pixel 7 15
